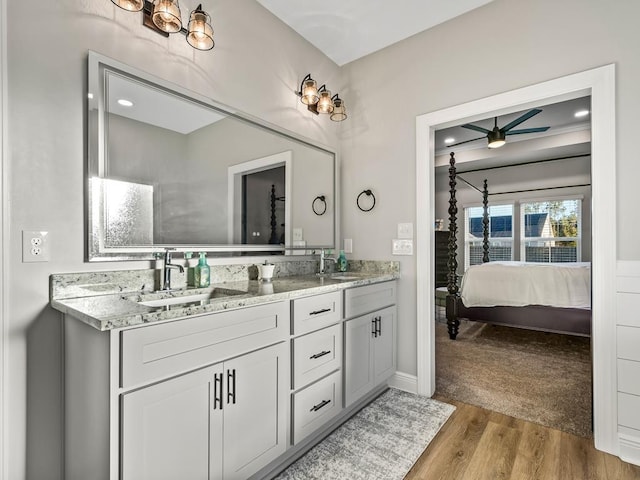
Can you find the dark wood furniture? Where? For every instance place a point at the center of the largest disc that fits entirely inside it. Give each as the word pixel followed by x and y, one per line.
pixel 441 245
pixel 537 317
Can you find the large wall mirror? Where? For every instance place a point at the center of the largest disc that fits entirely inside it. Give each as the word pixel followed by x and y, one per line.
pixel 171 168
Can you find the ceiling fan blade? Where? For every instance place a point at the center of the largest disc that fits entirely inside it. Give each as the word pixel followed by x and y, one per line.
pixel 466 141
pixel 475 127
pixel 527 130
pixel 520 119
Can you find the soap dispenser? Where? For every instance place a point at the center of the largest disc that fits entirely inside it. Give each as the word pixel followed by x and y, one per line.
pixel 202 276
pixel 342 262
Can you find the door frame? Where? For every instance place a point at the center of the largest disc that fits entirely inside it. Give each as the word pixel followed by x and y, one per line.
pixel 234 186
pixel 599 83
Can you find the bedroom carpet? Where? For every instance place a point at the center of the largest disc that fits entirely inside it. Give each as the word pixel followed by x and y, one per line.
pixel 540 377
pixel 382 441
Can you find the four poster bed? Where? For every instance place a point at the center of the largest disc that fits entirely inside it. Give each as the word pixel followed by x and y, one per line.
pixel 548 297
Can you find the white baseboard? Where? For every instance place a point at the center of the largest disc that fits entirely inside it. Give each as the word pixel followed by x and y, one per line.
pixel 629 448
pixel 404 381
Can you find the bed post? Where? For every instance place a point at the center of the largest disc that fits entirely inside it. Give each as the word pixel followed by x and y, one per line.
pixel 452 265
pixel 485 222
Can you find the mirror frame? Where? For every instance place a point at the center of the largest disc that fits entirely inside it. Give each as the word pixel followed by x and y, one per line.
pixel 96 138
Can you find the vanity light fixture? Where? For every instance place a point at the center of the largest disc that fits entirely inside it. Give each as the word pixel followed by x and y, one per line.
pixel 164 17
pixel 319 100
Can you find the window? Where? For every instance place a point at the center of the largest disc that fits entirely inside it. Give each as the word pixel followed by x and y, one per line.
pixel 551 231
pixel 500 234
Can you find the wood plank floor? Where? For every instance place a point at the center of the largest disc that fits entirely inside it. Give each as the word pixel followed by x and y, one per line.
pixel 477 444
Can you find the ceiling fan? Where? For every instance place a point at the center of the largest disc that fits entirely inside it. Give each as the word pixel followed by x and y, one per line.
pixel 497 136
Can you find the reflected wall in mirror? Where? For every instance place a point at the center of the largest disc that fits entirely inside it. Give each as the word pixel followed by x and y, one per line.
pixel 171 168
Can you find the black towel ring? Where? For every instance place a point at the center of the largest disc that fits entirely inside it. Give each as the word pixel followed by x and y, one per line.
pixel 324 202
pixel 368 193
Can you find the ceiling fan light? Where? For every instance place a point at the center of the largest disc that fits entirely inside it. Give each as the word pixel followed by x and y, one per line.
pixel 130 5
pixel 496 138
pixel 166 15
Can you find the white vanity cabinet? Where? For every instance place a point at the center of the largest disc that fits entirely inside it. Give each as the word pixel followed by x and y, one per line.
pixel 317 346
pixel 370 338
pixel 205 397
pixel 222 422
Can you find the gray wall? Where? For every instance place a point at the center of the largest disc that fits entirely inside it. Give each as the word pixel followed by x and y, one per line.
pixel 439 68
pixel 448 65
pixel 45 164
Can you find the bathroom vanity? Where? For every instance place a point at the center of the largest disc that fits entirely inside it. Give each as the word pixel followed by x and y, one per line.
pixel 229 382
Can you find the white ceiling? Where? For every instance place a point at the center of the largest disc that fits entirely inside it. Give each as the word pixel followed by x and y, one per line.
pixel 345 30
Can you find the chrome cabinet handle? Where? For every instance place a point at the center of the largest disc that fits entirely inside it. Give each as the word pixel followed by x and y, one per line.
pixel 320 405
pixel 379 326
pixel 374 329
pixel 321 354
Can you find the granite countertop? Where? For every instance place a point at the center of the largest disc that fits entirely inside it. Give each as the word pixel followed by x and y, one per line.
pixel 122 310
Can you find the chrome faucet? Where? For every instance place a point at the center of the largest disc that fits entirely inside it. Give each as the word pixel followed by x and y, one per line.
pixel 166 269
pixel 323 260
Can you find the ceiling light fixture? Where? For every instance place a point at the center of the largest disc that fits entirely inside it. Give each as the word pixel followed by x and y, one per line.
pixel 581 113
pixel 496 138
pixel 449 140
pixel 164 17
pixel 125 103
pixel 319 100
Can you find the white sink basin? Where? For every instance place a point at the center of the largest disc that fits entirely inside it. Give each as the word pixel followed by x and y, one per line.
pixel 344 276
pixel 184 299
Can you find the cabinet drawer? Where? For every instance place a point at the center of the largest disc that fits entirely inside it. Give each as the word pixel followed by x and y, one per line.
pixel 316 405
pixel 157 351
pixel 316 354
pixel 361 300
pixel 628 375
pixel 628 341
pixel 629 410
pixel 313 313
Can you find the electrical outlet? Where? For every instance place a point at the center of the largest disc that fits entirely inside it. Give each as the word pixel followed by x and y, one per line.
pixel 402 247
pixel 35 246
pixel 405 230
pixel 348 245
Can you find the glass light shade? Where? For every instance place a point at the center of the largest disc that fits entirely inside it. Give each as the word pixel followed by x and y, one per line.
pixel 309 94
pixel 496 138
pixel 339 111
pixel 166 15
pixel 130 5
pixel 325 104
pixel 200 33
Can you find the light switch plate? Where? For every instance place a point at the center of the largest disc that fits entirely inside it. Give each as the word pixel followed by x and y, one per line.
pixel 405 230
pixel 348 245
pixel 402 247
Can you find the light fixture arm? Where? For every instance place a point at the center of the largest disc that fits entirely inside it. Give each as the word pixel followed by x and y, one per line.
pixel 307 77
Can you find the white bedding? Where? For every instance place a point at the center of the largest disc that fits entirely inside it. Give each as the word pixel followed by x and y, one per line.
pixel 516 284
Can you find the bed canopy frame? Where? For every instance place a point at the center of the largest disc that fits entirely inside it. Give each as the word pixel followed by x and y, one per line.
pixel 538 317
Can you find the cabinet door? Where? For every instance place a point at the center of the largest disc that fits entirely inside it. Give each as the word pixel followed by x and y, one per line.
pixel 255 410
pixel 384 344
pixel 359 378
pixel 166 429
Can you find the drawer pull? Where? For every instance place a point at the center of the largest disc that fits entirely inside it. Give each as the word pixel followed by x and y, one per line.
pixel 318 312
pixel 320 405
pixel 231 386
pixel 379 326
pixel 217 391
pixel 321 354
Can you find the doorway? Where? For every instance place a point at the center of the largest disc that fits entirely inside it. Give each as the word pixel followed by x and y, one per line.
pixel 599 83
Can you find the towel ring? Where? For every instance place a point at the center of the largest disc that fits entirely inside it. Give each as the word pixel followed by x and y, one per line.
pixel 321 198
pixel 368 193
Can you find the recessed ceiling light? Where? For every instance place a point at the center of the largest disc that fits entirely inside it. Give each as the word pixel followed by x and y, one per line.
pixel 125 103
pixel 90 95
pixel 449 140
pixel 581 113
